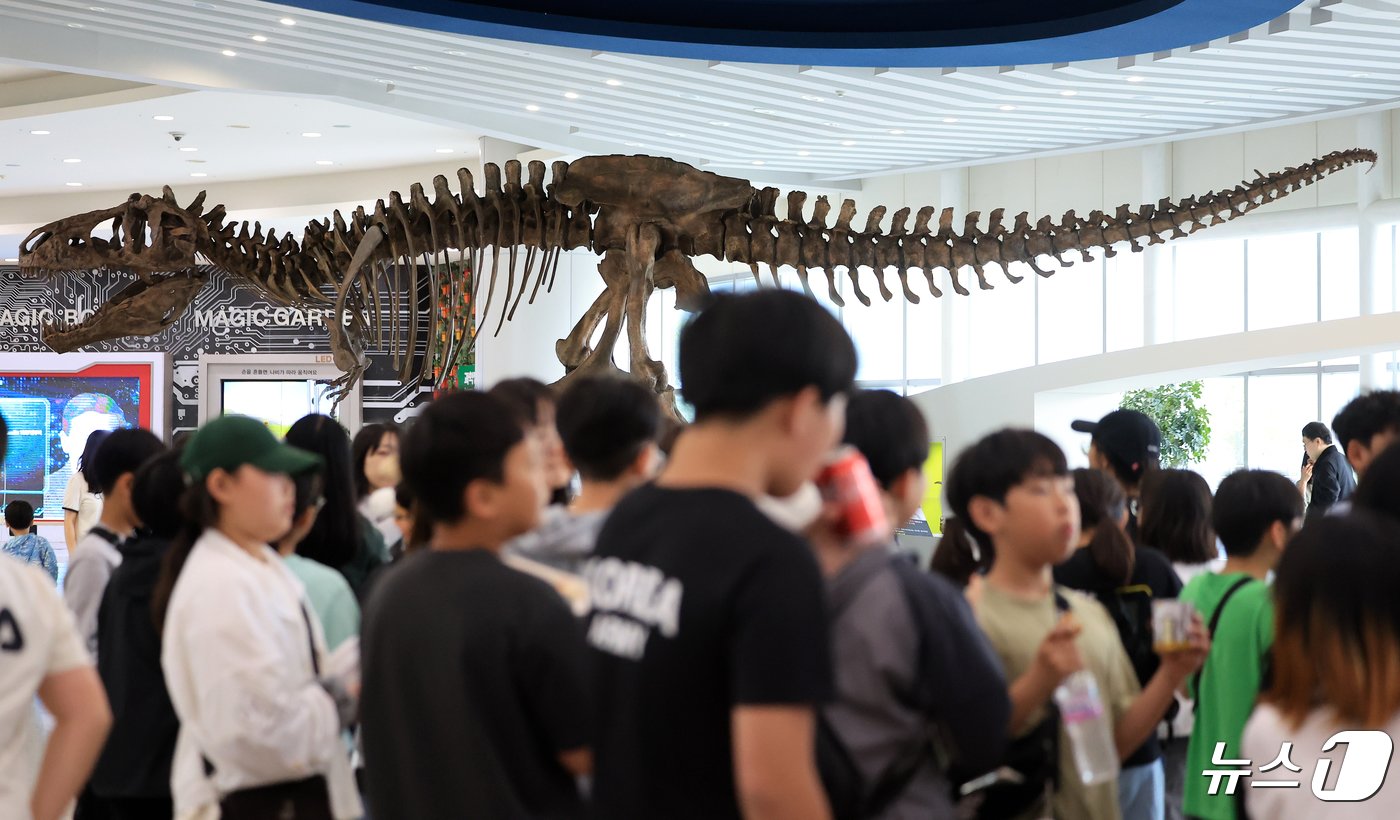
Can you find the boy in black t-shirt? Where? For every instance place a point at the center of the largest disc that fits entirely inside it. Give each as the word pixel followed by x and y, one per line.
pixel 709 630
pixel 473 693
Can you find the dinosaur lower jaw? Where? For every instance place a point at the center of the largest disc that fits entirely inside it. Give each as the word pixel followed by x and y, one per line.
pixel 139 309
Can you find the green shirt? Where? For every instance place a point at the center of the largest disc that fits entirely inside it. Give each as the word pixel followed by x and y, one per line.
pixel 1015 627
pixel 1229 682
pixel 331 597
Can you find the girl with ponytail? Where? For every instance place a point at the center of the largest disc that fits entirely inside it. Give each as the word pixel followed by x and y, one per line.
pixel 1014 496
pixel 1125 579
pixel 243 654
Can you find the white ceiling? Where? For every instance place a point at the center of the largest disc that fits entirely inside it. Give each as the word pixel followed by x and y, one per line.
pixel 797 123
pixel 235 136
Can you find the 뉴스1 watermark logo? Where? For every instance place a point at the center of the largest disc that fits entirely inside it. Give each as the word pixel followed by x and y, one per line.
pixel 1359 776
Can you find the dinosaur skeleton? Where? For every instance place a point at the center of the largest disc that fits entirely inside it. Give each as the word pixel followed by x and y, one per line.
pixel 647 217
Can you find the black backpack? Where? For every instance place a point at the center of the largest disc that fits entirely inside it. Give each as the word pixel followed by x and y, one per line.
pixel 1131 609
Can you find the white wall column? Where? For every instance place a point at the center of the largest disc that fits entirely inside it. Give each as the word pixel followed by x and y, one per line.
pixel 952 191
pixel 1158 304
pixel 1373 245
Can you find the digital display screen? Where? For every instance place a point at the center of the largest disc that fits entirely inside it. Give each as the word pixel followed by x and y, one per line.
pixel 50 417
pixel 277 403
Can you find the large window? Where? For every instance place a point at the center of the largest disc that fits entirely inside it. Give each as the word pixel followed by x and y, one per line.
pixel 1209 288
pixel 1282 280
pixel 1256 418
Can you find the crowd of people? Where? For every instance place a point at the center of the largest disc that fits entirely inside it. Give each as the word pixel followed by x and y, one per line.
pixel 530 605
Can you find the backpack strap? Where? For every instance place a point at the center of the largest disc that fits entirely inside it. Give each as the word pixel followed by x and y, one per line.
pixel 106 535
pixel 1214 622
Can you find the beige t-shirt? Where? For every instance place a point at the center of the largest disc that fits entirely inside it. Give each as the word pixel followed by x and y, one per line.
pixel 1016 628
pixel 37 639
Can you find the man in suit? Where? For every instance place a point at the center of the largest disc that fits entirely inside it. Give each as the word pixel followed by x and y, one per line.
pixel 1327 470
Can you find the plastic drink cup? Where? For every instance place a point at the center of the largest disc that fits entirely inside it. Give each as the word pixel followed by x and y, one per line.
pixel 1171 625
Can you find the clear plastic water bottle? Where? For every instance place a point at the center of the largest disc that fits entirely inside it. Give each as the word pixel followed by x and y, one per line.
pixel 1086 724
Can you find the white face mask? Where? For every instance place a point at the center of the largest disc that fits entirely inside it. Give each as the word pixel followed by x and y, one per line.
pixel 795 512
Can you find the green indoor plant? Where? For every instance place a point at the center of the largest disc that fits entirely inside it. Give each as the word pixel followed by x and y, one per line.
pixel 1185 423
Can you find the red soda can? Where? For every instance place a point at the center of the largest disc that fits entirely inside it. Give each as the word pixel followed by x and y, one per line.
pixel 847 482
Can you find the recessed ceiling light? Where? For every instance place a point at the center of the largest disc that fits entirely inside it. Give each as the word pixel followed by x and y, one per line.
pixel 720 123
pixel 420 68
pixel 40 133
pixel 897 131
pixel 804 153
pixel 455 53
pixel 758 162
pixel 848 143
pixel 199 174
pixel 324 162
pixel 12 259
pixel 444 150
pixel 258 38
pixel 813 98
pixel 188 149
pixel 162 118
pixel 228 52
pixel 1136 79
pixel 950 120
pixel 674 134
pixel 195 161
pixel 1069 93
pixel 614 82
pixel 763 111
pixel 532 107
pixel 96 8
pixel 311 134
pixel 75 25
pixel 287 21
pixel 571 95
pixel 1360 74
pixel 74 184
pixel 633 144
pixel 1008 108
pixel 72 160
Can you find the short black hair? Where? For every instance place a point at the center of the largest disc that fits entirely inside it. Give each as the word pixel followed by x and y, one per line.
pixel 744 352
pixel 1316 429
pixel 124 451
pixel 155 495
pixel 1379 489
pixel 460 438
pixel 19 515
pixel 523 394
pixel 1247 503
pixel 605 422
pixel 990 468
pixel 889 431
pixel 1365 416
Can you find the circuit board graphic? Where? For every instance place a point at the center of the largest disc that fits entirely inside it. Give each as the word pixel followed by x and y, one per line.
pixel 225 317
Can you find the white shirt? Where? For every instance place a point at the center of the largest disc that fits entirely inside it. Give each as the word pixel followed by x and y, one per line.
pixel 379 507
pixel 1264 737
pixel 87 505
pixel 238 666
pixel 37 639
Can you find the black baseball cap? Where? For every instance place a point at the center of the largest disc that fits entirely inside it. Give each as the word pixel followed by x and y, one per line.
pixel 1128 439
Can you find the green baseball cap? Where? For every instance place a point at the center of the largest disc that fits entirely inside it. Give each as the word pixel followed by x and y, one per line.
pixel 229 442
